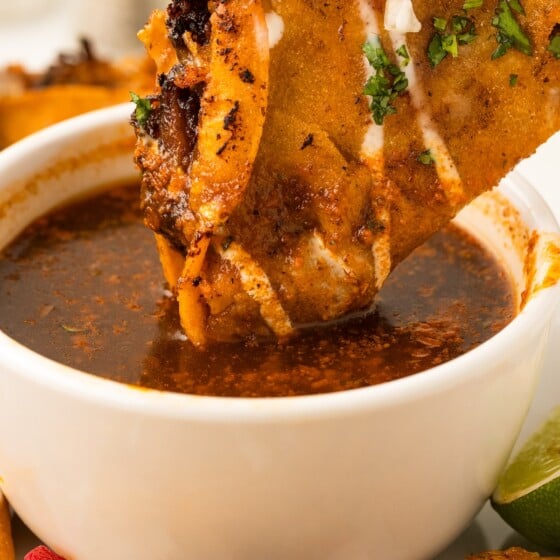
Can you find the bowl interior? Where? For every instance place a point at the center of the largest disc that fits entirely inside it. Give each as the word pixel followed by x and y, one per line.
pixel 80 156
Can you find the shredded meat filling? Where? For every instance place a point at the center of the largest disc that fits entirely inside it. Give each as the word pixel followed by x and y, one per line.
pixel 188 17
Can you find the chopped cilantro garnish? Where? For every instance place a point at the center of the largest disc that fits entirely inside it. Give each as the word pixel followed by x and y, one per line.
pixel 516 5
pixel 472 4
pixel 440 23
pixel 436 53
pixel 449 36
pixel 143 108
pixel 464 28
pixel 450 45
pixel 403 53
pixel 554 45
pixel 510 33
pixel 388 82
pixel 375 54
pixel 459 23
pixel 426 158
pixel 513 80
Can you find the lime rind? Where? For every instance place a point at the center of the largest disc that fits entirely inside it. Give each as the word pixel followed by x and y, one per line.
pixel 536 515
pixel 537 464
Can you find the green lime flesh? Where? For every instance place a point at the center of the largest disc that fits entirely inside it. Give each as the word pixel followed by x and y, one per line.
pixel 528 493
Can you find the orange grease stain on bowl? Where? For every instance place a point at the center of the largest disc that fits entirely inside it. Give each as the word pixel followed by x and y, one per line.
pixel 542 263
pixel 63 166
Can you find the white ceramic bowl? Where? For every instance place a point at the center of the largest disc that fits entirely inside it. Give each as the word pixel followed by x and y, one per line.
pixel 99 470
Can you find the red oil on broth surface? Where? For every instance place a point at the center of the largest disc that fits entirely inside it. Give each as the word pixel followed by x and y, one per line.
pixel 83 286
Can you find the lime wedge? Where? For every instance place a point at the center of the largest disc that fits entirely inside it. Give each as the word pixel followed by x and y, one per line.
pixel 528 493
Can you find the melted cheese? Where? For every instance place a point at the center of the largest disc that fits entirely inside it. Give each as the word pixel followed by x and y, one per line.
pixel 381 249
pixel 446 169
pixel 372 145
pixel 372 155
pixel 256 284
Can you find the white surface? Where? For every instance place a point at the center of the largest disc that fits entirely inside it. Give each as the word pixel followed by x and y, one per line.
pixel 43 36
pixel 35 36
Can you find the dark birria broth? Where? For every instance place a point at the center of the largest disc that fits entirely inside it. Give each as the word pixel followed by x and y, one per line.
pixel 84 287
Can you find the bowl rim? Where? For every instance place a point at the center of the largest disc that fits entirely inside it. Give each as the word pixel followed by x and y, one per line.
pixel 22 361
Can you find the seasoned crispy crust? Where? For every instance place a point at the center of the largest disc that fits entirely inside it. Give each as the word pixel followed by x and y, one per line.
pixel 271 149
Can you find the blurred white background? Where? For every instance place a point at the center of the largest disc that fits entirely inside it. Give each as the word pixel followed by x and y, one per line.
pixel 33 32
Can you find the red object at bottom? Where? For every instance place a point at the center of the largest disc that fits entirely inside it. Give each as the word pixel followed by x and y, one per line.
pixel 42 553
